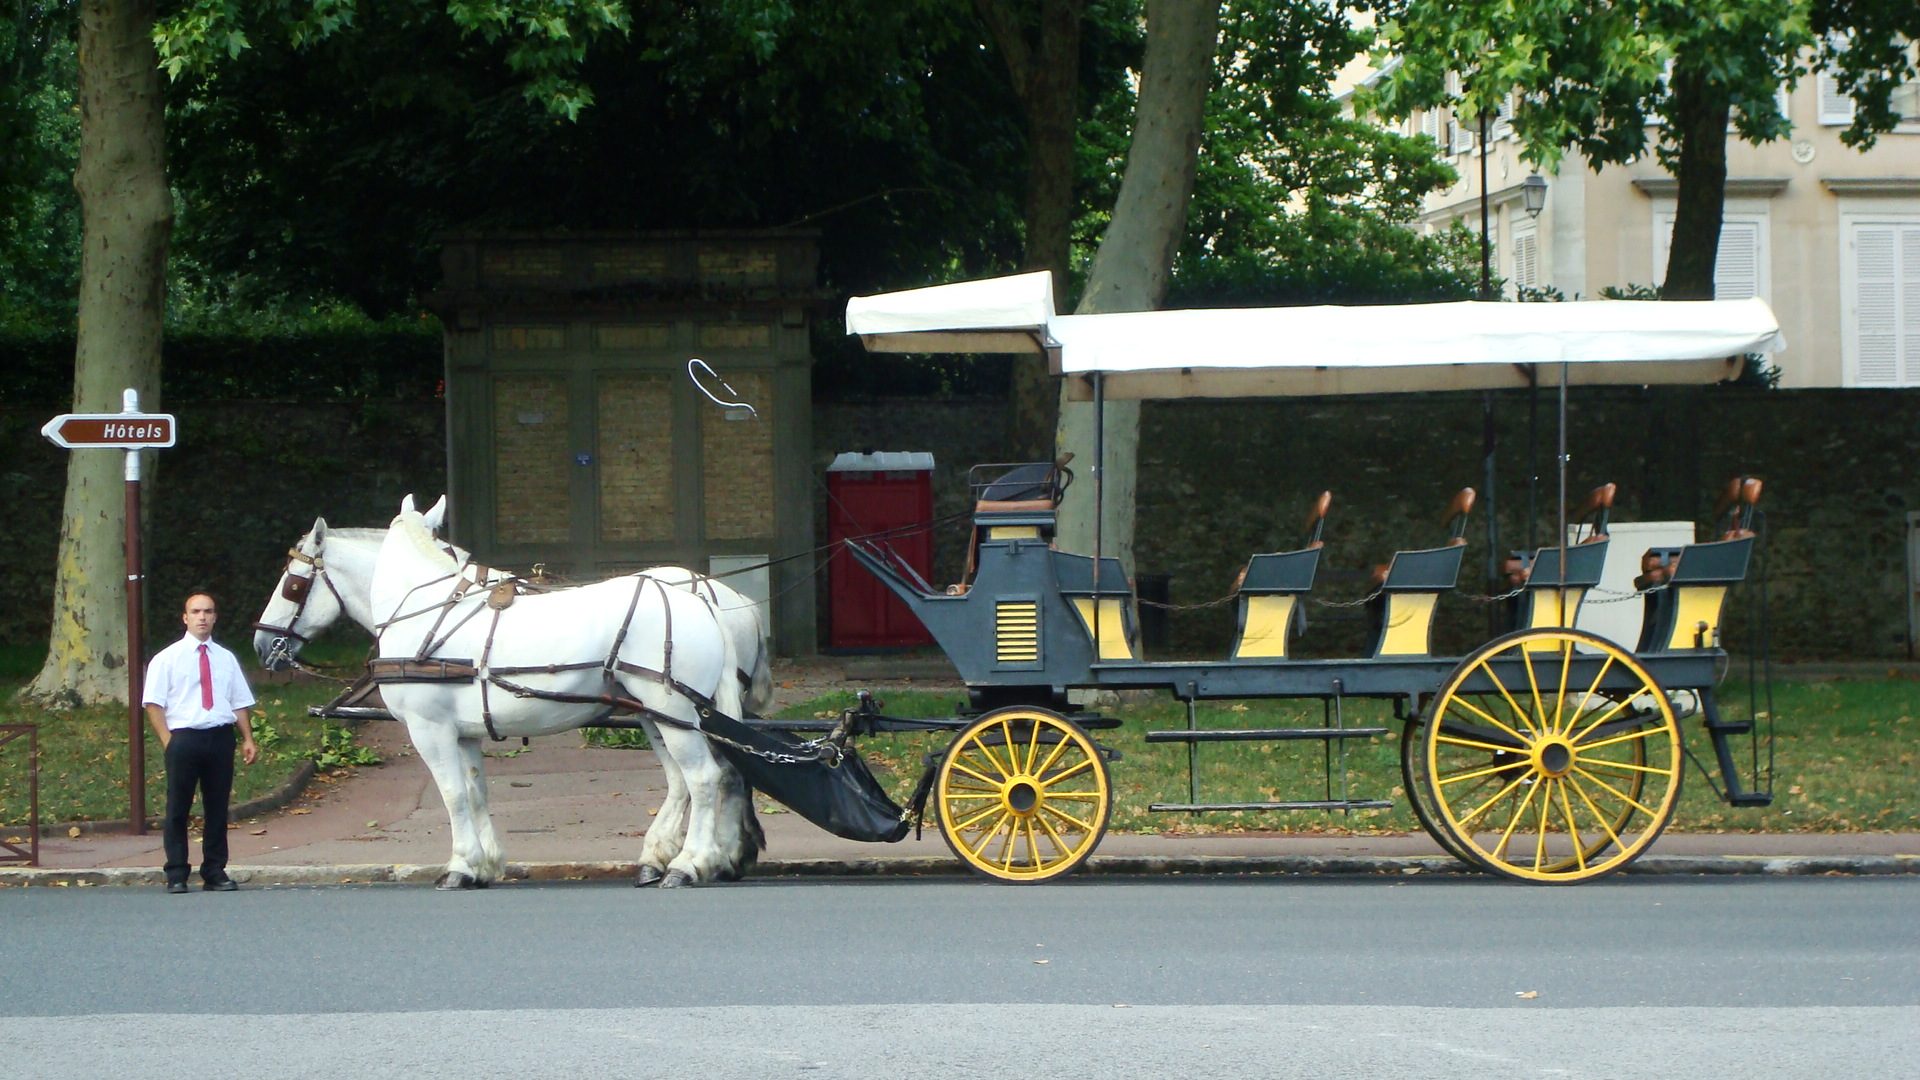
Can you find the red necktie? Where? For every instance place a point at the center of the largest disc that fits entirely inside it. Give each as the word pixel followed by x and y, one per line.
pixel 206 680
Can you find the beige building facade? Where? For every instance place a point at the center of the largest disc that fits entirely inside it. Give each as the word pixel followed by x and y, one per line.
pixel 1827 235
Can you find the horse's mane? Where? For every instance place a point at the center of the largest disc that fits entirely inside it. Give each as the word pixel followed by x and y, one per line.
pixel 414 528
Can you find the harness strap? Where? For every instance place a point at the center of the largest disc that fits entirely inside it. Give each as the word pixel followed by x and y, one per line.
pixel 633 605
pixel 486 703
pixel 611 700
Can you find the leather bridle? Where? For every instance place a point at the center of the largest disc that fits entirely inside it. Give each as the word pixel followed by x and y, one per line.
pixel 297 588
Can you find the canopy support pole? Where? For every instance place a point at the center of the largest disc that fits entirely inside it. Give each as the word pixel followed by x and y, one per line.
pixel 1099 495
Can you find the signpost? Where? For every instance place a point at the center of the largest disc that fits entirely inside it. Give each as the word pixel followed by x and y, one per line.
pixel 129 430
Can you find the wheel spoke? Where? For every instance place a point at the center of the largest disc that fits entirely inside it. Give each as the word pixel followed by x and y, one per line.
pixel 1518 712
pixel 1573 827
pixel 1533 683
pixel 1470 818
pixel 1048 808
pixel 1059 844
pixel 1618 794
pixel 1540 839
pixel 1499 850
pixel 1007 744
pixel 1085 764
pixel 1474 744
pixel 1560 692
pixel 993 759
pixel 1588 696
pixel 1595 810
pixel 977 818
pixel 982 777
pixel 1643 733
pixel 1033 748
pixel 1058 749
pixel 1622 766
pixel 1476 774
pixel 1604 717
pixel 991 833
pixel 1487 716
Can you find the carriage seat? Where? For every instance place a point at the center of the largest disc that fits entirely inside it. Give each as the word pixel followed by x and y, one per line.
pixel 1270 585
pixel 1012 501
pixel 1408 588
pixel 1455 524
pixel 1593 513
pixel 1733 520
pixel 1697 578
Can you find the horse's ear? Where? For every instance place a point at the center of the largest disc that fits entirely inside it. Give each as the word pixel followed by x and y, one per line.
pixel 436 514
pixel 319 530
pixel 406 504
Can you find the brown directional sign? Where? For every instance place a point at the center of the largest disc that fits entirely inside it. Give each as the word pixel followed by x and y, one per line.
pixel 121 431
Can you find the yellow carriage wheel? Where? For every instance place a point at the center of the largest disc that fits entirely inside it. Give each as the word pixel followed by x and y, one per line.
pixel 1023 795
pixel 1495 769
pixel 1540 772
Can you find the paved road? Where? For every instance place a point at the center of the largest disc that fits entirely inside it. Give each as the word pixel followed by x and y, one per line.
pixel 1116 977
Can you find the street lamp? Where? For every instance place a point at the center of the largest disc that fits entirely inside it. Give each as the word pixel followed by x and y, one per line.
pixel 1533 195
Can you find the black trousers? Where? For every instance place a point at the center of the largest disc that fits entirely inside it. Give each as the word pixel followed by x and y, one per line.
pixel 198 758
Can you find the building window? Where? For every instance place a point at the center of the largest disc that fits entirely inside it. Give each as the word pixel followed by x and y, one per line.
pixel 1740 268
pixel 1526 257
pixel 1836 108
pixel 1880 283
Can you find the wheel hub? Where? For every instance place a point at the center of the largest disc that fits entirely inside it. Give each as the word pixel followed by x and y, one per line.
pixel 1023 796
pixel 1554 757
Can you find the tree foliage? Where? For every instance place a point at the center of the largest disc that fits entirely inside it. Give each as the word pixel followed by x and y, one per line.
pixel 1604 79
pixel 40 127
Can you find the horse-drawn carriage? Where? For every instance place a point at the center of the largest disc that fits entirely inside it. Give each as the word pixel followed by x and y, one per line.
pixel 1548 754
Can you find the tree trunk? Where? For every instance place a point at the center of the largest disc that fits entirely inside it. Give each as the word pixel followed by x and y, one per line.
pixel 1135 260
pixel 1046 75
pixel 1701 110
pixel 126 214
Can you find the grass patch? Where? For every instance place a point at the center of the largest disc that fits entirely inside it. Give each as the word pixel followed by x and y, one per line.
pixel 83 754
pixel 1844 761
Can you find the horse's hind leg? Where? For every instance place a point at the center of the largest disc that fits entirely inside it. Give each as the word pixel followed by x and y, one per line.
pixel 700 859
pixel 492 862
pixel 439 747
pixel 736 830
pixel 668 832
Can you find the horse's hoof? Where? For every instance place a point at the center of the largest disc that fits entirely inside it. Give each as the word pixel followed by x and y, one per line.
pixel 647 875
pixel 454 880
pixel 676 879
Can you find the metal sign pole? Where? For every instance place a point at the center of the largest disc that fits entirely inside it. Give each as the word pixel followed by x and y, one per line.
pixel 136 655
pixel 129 430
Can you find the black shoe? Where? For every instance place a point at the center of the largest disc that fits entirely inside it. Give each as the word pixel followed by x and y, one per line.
pixel 225 884
pixel 176 886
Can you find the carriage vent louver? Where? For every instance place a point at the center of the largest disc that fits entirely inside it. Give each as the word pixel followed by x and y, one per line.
pixel 1016 632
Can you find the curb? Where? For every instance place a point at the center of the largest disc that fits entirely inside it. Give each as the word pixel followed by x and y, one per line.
pixel 941 866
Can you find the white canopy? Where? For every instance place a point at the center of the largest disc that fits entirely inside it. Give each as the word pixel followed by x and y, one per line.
pixel 1236 352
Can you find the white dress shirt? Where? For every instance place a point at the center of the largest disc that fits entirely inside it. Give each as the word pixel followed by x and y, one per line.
pixel 173 683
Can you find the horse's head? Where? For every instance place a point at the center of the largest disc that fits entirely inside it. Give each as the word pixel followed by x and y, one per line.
pixel 304 603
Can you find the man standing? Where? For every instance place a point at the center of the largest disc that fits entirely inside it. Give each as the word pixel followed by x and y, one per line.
pixel 195 697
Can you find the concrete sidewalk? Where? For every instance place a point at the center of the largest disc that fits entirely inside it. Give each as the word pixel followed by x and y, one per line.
pixel 565 811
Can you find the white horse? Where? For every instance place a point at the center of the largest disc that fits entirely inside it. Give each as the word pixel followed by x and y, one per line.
pixel 548 663
pixel 329 573
pixel 338 580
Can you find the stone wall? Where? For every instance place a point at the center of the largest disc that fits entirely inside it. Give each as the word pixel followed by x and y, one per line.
pixel 1219 480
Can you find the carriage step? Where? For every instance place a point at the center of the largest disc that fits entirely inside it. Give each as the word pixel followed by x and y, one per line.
pixel 1317 804
pixel 1751 798
pixel 1264 734
pixel 1730 727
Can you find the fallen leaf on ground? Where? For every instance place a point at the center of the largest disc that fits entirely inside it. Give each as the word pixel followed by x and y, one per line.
pixel 1527 994
pixel 73 832
pixel 301 810
pixel 373 824
pixel 257 832
pixel 1040 961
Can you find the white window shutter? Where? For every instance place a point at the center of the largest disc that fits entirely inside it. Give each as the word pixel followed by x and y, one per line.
pixel 1876 262
pixel 1526 260
pixel 1836 108
pixel 1462 134
pixel 1430 124
pixel 1736 271
pixel 1910 305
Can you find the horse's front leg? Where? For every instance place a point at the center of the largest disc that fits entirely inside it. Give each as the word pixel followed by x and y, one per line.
pixel 492 861
pixel 668 832
pixel 438 745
